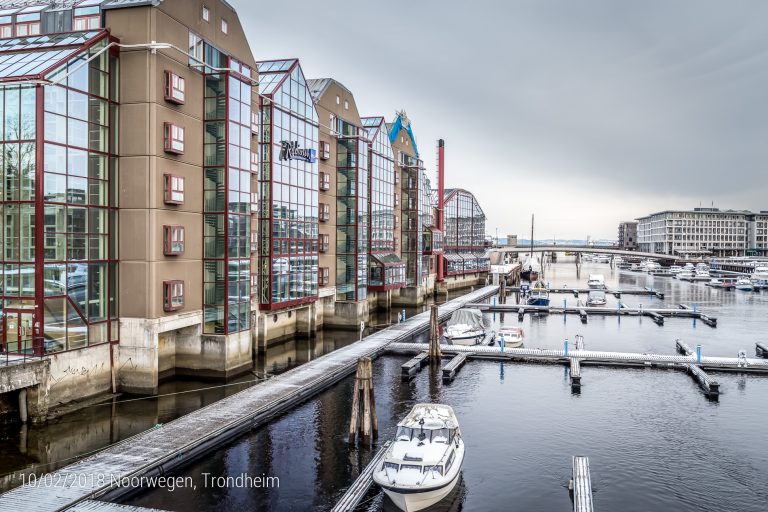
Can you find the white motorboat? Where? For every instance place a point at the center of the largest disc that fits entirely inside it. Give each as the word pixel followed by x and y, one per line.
pixel 675 269
pixel 466 327
pixel 760 277
pixel 596 298
pixel 510 337
pixel 652 266
pixel 685 275
pixel 702 275
pixel 423 464
pixel 745 285
pixel 723 283
pixel 596 281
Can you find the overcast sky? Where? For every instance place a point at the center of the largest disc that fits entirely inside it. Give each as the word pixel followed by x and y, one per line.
pixel 584 112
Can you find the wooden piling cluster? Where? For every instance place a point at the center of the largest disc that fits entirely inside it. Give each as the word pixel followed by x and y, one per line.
pixel 363 423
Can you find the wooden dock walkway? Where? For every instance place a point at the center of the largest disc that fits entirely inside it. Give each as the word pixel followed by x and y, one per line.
pixel 581 485
pixel 646 292
pixel 105 506
pixel 709 385
pixel 575 373
pixel 411 367
pixel 158 450
pixel 357 491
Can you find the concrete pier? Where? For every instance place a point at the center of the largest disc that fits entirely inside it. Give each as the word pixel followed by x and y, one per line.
pixel 161 449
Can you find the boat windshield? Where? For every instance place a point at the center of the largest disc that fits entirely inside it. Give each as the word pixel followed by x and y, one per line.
pixel 440 435
pixel 404 433
pixel 436 469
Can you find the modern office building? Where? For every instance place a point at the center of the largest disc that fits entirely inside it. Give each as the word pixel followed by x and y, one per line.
pixel 627 238
pixel 704 232
pixel 464 240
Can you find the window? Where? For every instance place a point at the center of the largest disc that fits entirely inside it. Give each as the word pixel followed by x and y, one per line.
pixel 224 26
pixel 27 29
pixel 86 18
pixel 173 240
pixel 325 150
pixel 255 123
pixel 6 28
pixel 206 14
pixel 325 181
pixel 397 200
pixel 346 105
pixel 174 189
pixel 173 295
pixel 323 276
pixel 175 86
pixel 323 241
pixel 325 212
pixel 338 99
pixel 174 139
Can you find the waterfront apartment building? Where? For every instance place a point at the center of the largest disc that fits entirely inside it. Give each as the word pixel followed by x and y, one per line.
pixel 704 232
pixel 169 205
pixel 627 238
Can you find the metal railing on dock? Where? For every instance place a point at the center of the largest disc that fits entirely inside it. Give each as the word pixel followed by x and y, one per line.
pixel 161 449
pixel 581 485
pixel 357 491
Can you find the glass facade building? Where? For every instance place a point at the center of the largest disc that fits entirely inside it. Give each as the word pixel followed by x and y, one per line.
pixel 288 187
pixel 352 212
pixel 386 269
pixel 227 161
pixel 464 240
pixel 58 143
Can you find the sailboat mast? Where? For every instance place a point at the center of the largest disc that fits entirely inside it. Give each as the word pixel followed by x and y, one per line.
pixel 531 237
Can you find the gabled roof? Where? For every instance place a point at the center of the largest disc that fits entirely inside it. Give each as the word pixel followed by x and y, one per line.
pixel 318 87
pixel 402 122
pixel 272 73
pixel 372 125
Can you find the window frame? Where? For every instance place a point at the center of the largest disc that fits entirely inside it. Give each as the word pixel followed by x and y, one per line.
pixel 323 276
pixel 324 210
pixel 325 150
pixel 323 242
pixel 224 26
pixel 206 14
pixel 170 287
pixel 171 231
pixel 172 90
pixel 171 138
pixel 170 188
pixel 324 181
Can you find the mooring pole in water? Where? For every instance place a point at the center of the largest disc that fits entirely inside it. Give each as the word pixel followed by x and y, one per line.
pixel 494 309
pixel 366 422
pixel 565 347
pixel 23 405
pixel 698 354
pixel 434 335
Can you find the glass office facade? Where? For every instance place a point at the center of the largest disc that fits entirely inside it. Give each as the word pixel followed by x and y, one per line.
pixel 417 215
pixel 464 240
pixel 58 197
pixel 386 269
pixel 227 197
pixel 288 187
pixel 352 212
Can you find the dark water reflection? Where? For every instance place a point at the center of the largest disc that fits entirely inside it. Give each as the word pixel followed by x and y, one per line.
pixel 654 442
pixel 43 448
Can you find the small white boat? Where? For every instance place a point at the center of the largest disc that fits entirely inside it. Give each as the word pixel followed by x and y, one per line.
pixel 702 275
pixel 510 337
pixel 722 283
pixel 466 327
pixel 423 464
pixel 596 298
pixel 652 266
pixel 685 275
pixel 745 285
pixel 759 277
pixel 675 269
pixel 596 282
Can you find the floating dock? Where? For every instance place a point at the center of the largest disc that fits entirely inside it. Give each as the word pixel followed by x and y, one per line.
pixel 648 292
pixel 581 485
pixel 104 506
pixel 656 314
pixel 359 488
pixel 453 366
pixel 410 368
pixel 159 450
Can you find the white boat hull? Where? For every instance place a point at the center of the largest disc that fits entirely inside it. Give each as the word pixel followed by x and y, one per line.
pixel 412 501
pixel 467 340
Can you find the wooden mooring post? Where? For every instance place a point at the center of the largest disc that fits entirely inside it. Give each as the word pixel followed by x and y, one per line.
pixel 435 354
pixel 365 422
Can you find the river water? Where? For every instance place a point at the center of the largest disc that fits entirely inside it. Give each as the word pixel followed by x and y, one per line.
pixel 655 443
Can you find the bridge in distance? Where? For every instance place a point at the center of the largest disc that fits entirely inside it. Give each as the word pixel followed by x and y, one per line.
pixel 601 249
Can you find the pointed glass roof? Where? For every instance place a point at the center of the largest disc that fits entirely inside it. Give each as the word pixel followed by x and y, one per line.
pixel 272 73
pixel 31 57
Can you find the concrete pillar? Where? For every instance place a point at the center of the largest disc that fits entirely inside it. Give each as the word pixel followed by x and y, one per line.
pixel 306 319
pixel 138 357
pixel 23 405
